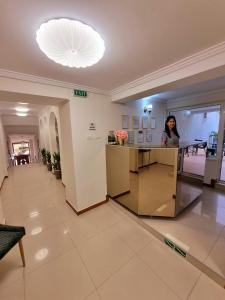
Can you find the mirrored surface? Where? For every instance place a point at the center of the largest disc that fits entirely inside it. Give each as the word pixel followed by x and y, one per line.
pixel 145 180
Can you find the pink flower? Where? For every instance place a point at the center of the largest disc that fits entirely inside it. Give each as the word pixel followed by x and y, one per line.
pixel 122 134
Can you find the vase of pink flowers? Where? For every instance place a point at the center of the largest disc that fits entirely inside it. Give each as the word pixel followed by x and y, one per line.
pixel 121 136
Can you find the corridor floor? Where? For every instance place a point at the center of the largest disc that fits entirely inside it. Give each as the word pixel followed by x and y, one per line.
pixel 100 255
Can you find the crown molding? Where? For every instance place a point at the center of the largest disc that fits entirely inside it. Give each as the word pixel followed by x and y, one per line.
pixel 172 68
pixel 47 81
pixel 214 97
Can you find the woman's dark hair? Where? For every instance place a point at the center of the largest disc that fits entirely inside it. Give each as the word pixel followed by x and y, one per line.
pixel 174 129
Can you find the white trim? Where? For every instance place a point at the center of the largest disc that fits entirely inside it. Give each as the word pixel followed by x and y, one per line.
pixel 216 97
pixel 207 59
pixel 42 80
pixel 180 65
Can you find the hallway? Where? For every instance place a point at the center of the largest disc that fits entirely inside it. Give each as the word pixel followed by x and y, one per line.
pixel 100 255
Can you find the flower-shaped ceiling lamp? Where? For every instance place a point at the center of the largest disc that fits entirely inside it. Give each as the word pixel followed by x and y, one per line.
pixel 70 43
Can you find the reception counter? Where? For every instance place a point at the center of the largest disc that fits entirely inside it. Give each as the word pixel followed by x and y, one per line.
pixel 147 180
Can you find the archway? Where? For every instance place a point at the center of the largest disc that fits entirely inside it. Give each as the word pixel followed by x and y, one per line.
pixel 54 134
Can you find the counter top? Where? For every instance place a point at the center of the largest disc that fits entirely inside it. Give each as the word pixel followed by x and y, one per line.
pixel 183 144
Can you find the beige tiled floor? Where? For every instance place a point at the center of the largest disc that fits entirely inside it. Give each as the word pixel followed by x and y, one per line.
pixel 201 227
pixel 100 255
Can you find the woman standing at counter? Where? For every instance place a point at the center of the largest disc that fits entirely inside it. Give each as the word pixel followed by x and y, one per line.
pixel 170 136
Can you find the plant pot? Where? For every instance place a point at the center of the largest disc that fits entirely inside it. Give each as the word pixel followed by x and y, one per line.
pixel 49 166
pixel 57 174
pixel 44 161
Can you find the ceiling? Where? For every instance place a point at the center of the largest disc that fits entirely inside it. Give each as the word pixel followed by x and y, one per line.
pixel 9 108
pixel 140 36
pixel 217 84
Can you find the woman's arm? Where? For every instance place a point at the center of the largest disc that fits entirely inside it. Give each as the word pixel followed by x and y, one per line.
pixel 164 139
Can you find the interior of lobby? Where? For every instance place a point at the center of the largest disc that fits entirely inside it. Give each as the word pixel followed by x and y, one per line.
pixel 154 59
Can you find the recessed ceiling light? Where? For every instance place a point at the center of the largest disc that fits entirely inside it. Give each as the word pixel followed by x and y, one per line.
pixel 70 43
pixel 22 109
pixel 20 114
pixel 23 103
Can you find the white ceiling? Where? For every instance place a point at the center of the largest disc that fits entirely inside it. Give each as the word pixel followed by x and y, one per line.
pixel 217 84
pixel 9 108
pixel 140 36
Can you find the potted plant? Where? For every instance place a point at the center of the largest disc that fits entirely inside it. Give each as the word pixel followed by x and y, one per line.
pixel 56 165
pixel 49 162
pixel 43 153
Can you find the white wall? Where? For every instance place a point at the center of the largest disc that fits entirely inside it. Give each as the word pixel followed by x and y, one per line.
pixel 3 154
pixel 158 112
pixel 45 134
pixel 82 151
pixel 67 154
pixel 3 164
pixel 89 146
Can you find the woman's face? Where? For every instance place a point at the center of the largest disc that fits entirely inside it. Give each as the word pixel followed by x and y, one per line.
pixel 171 123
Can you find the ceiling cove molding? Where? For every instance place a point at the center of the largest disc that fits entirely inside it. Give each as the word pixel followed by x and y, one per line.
pixel 217 96
pixel 144 81
pixel 47 81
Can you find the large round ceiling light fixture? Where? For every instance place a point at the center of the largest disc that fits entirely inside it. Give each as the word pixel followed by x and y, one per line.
pixel 70 43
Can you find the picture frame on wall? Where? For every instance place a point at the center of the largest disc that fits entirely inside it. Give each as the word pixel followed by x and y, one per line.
pixel 125 121
pixel 131 137
pixel 152 123
pixel 140 137
pixel 144 122
pixel 135 122
pixel 148 136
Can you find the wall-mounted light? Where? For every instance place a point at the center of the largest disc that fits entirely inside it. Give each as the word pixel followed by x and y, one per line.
pixel 187 113
pixel 148 108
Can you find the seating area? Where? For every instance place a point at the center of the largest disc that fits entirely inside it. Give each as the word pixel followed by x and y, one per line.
pixel 193 150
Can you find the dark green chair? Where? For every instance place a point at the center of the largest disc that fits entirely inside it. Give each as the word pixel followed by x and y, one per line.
pixel 9 237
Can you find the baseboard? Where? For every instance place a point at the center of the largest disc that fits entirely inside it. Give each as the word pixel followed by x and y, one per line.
pixel 196 180
pixel 220 186
pixel 88 208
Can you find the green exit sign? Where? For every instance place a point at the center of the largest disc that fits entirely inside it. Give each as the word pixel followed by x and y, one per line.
pixel 80 93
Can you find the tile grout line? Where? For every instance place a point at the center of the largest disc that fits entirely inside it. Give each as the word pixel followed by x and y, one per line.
pixel 156 234
pixel 97 287
pixel 156 274
pixel 195 284
pixel 78 252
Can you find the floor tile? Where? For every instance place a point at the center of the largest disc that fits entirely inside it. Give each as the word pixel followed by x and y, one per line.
pixel 13 291
pixel 104 254
pixel 93 296
pixel 11 267
pixel 64 278
pixel 65 212
pixel 36 223
pixel 216 258
pixel 101 217
pixel 135 281
pixel 200 242
pixel 46 246
pixel 135 236
pixel 207 289
pixel 174 270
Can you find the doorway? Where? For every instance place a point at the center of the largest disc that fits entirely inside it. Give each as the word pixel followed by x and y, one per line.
pixel 199 127
pixel 21 153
